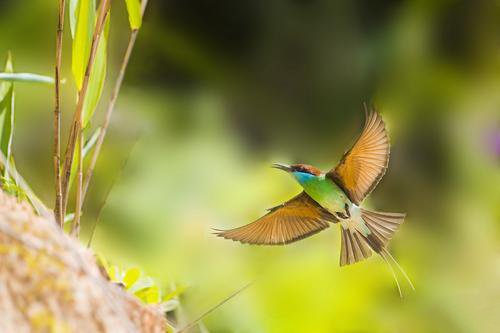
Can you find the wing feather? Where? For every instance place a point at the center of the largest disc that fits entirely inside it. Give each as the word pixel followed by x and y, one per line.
pixel 362 167
pixel 298 218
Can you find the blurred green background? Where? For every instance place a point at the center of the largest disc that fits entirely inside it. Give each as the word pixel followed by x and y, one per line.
pixel 218 90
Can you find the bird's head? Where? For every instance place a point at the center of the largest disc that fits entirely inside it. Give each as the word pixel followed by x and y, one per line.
pixel 301 172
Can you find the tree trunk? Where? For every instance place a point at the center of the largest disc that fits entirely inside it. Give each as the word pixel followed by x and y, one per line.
pixel 50 283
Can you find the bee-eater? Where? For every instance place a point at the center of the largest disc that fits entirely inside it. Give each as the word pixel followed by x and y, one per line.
pixel 334 197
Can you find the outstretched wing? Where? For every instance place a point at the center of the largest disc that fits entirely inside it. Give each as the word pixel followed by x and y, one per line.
pixel 362 167
pixel 295 219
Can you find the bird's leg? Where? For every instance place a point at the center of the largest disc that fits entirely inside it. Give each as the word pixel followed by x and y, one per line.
pixel 347 211
pixel 344 215
pixel 341 216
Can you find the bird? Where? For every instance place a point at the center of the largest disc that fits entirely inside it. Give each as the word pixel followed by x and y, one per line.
pixel 335 197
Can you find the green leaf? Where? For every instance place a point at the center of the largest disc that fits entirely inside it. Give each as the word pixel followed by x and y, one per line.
pixel 7 116
pixel 7 122
pixel 149 295
pixel 86 149
pixel 131 277
pixel 74 165
pixel 114 274
pixel 26 77
pixel 9 69
pixel 82 41
pixel 69 217
pixel 141 284
pixel 91 142
pixel 134 13
pixel 73 10
pixel 97 76
pixel 10 186
pixel 174 293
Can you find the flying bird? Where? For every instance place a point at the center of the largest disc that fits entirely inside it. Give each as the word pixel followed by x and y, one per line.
pixel 335 197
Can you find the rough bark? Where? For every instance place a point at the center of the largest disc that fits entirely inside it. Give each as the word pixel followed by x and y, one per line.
pixel 50 283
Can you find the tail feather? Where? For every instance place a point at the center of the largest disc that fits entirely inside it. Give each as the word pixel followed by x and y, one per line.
pixel 382 225
pixel 400 269
pixel 354 247
pixel 367 231
pixel 393 272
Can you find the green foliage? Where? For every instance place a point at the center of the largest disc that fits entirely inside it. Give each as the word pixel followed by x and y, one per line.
pixel 131 277
pixel 82 24
pixel 85 17
pixel 73 12
pixel 134 13
pixel 11 187
pixel 69 217
pixel 91 142
pixel 85 151
pixel 140 285
pixel 97 76
pixel 7 116
pixel 26 77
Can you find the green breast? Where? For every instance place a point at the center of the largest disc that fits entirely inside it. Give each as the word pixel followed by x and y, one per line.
pixel 325 192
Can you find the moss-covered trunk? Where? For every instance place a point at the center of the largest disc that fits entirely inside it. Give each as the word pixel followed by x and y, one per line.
pixel 50 283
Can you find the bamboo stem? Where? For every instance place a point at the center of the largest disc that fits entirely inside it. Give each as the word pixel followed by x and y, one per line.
pixel 76 127
pixel 112 102
pixel 75 230
pixel 57 116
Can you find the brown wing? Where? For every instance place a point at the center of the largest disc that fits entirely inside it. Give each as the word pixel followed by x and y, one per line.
pixel 363 166
pixel 295 219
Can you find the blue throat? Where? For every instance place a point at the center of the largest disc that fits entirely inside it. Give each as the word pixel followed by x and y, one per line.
pixel 303 177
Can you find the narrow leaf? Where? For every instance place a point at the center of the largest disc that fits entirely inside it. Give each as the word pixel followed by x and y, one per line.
pixel 19 180
pixel 150 295
pixel 9 69
pixel 26 77
pixel 114 274
pixel 86 149
pixel 7 117
pixel 141 284
pixel 176 292
pixel 134 13
pixel 7 124
pixel 73 10
pixel 69 217
pixel 82 41
pixel 131 277
pixel 97 76
pixel 91 142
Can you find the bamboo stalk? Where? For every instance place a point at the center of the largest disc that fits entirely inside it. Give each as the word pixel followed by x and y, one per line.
pixel 57 116
pixel 77 116
pixel 75 229
pixel 112 102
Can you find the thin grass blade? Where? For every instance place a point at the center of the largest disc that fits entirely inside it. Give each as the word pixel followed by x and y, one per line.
pixel 26 77
pixel 134 13
pixel 82 41
pixel 73 11
pixel 7 113
pixel 97 76
pixel 86 149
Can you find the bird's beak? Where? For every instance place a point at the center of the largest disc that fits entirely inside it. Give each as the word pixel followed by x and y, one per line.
pixel 283 167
